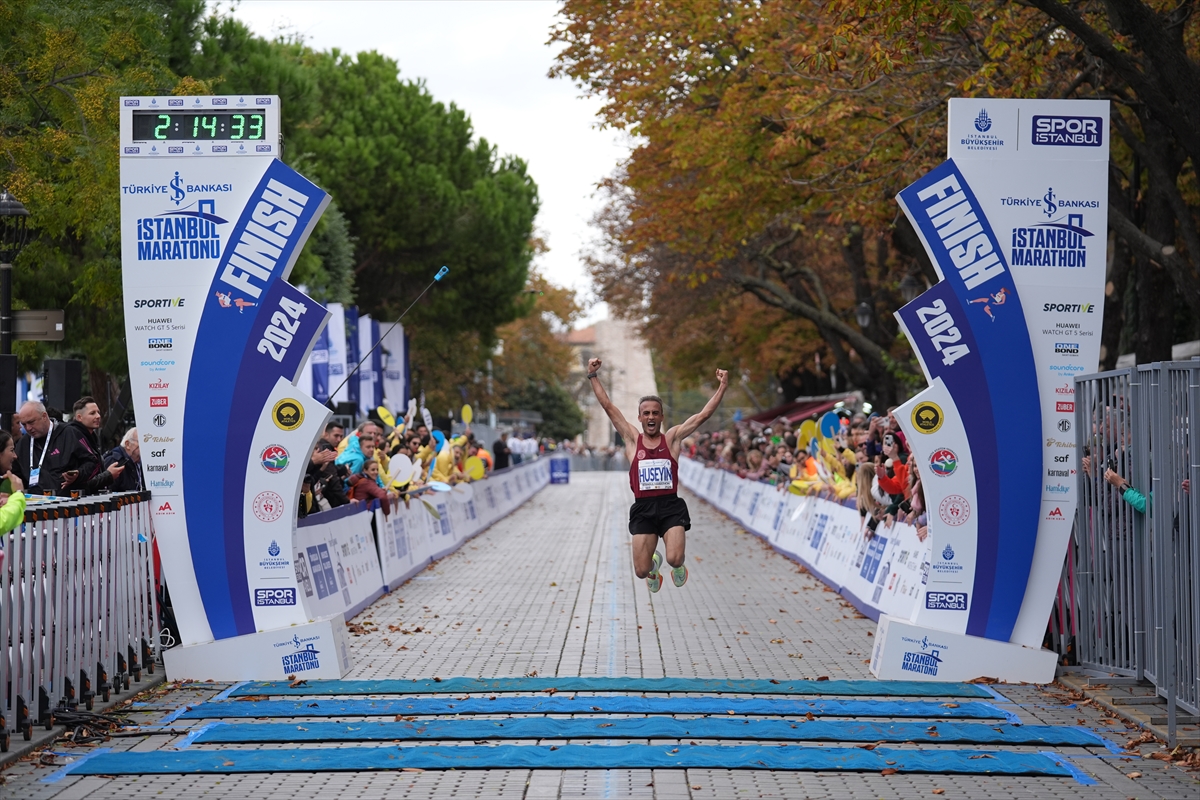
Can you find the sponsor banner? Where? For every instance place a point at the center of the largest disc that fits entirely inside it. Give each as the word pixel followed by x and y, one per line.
pixel 883 574
pixel 952 465
pixel 336 360
pixel 393 369
pixel 990 319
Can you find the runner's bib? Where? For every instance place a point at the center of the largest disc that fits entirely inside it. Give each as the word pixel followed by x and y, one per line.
pixel 655 474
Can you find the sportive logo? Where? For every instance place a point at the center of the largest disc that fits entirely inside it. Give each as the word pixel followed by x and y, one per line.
pixel 954 510
pixel 268 507
pixel 159 402
pixel 983 123
pixel 946 601
pixel 1067 131
pixel 1066 348
pixel 160 302
pixel 1070 308
pixel 288 414
pixel 927 417
pixel 274 597
pixel 1066 408
pixel 274 459
pixel 943 462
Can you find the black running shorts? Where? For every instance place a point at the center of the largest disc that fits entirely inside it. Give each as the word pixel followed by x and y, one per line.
pixel 658 515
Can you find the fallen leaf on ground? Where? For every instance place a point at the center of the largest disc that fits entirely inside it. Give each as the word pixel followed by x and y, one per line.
pixel 939 791
pixel 889 771
pixel 1135 775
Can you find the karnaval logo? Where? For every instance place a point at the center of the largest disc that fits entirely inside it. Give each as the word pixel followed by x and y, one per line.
pixel 288 414
pixel 983 123
pixel 943 462
pixel 274 459
pixel 927 417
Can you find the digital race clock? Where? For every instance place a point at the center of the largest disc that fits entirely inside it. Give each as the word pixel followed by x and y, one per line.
pixel 200 126
pixel 149 126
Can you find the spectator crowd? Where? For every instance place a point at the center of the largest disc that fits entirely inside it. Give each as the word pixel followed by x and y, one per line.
pixel 864 463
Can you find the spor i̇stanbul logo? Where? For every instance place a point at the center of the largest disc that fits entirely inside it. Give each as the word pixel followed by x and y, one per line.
pixel 983 122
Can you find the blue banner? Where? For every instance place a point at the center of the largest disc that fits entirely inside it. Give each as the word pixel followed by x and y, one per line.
pixel 320 367
pixel 239 307
pixel 352 356
pixel 998 376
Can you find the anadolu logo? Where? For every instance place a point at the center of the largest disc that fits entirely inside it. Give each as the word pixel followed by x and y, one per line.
pixel 948 553
pixel 288 414
pixel 983 123
pixel 943 462
pixel 927 417
pixel 274 459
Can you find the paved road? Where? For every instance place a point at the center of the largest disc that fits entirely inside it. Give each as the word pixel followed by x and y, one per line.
pixel 551 590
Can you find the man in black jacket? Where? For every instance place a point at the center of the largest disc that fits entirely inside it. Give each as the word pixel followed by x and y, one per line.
pixel 129 455
pixel 41 454
pixel 84 469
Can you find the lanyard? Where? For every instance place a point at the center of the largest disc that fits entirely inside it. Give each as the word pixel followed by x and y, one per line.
pixel 44 448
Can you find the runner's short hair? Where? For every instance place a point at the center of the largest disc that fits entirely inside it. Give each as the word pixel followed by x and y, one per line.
pixel 661 405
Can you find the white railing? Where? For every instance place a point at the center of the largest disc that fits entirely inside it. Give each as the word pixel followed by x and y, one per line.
pixel 77 608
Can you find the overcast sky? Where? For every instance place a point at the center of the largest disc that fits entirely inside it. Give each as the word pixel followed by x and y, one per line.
pixel 490 58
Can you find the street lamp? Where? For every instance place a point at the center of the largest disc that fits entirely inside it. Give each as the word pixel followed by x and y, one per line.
pixel 910 287
pixel 862 313
pixel 13 232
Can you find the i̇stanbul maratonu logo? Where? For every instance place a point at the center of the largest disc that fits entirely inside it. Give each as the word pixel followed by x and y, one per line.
pixel 983 122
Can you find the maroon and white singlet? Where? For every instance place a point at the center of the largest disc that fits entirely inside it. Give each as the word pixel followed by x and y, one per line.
pixel 653 472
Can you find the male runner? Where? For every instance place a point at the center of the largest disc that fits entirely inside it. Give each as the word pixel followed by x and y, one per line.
pixel 658 510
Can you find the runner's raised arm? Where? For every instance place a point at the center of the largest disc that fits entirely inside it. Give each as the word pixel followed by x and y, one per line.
pixel 627 431
pixel 688 427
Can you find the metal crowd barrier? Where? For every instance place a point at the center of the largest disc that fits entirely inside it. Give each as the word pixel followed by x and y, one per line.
pixel 1130 595
pixel 77 608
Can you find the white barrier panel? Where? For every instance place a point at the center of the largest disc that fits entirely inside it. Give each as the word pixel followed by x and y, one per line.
pixel 411 538
pixel 881 575
pixel 77 610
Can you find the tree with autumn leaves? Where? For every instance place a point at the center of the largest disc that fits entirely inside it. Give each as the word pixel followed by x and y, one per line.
pixel 772 138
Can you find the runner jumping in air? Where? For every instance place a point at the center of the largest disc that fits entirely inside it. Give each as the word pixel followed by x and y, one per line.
pixel 998 298
pixel 658 510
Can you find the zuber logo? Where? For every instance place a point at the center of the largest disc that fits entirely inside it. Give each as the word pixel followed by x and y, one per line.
pixel 158 402
pixel 1068 408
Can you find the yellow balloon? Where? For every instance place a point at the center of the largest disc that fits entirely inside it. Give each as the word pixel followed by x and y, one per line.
pixel 467 414
pixel 474 467
pixel 808 429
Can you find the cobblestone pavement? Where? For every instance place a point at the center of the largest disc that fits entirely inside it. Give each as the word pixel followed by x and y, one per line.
pixel 551 589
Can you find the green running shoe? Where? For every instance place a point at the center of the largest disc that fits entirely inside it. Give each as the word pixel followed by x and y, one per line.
pixel 656 563
pixel 679 575
pixel 653 582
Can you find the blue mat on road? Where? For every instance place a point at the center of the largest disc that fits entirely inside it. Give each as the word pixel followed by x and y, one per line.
pixel 865 688
pixel 653 728
pixel 504 705
pixel 366 759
